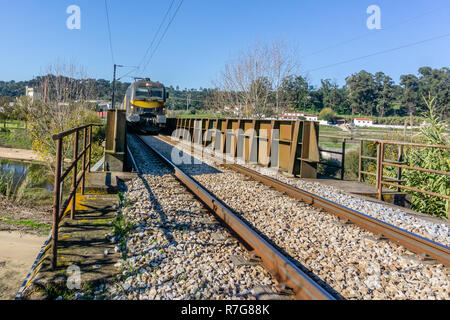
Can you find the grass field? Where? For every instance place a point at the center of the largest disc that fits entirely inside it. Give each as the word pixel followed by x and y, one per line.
pixel 15 138
pixel 12 124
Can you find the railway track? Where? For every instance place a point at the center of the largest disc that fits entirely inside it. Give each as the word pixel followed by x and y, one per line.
pixel 289 275
pixel 425 248
pixel 177 249
pixel 395 263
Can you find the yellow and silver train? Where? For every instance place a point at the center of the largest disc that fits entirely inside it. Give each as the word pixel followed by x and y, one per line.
pixel 145 105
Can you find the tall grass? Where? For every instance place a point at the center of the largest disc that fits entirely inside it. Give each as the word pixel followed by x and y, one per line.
pixel 12 185
pixel 430 158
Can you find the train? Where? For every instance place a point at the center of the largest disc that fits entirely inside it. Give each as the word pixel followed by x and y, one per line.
pixel 145 105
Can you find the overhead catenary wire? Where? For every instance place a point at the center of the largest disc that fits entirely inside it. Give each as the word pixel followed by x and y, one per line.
pixel 129 72
pixel 156 35
pixel 371 32
pixel 162 37
pixel 109 32
pixel 379 52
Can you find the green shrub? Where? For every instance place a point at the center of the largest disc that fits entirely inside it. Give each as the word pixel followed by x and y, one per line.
pixel 328 171
pixel 430 158
pixel 351 165
pixel 327 114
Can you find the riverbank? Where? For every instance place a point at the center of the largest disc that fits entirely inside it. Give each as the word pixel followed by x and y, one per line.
pixel 23 230
pixel 18 154
pixel 17 254
pixel 25 217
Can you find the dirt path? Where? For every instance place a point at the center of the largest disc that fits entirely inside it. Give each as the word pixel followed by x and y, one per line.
pixel 18 154
pixel 17 254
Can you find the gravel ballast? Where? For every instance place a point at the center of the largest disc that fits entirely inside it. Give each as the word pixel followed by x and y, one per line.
pixel 176 249
pixel 344 256
pixel 436 231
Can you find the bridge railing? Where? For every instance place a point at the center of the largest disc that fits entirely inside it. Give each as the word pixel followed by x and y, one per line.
pixel 399 164
pixel 60 206
pixel 288 145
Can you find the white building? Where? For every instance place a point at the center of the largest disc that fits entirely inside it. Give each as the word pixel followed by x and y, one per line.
pixel 363 122
pixel 290 115
pixel 311 118
pixel 31 92
pixel 296 115
pixel 236 110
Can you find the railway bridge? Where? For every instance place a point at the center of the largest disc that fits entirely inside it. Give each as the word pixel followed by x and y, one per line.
pixel 230 209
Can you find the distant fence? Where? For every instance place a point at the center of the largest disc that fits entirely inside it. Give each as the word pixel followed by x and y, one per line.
pixel 102 114
pixel 341 153
pixel 13 124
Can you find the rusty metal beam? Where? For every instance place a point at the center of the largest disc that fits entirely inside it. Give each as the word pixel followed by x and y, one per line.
pixel 284 270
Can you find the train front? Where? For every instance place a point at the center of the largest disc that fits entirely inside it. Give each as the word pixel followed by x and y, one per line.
pixel 148 106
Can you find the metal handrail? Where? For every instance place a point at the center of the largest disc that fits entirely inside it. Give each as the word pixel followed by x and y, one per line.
pixel 77 178
pixel 381 162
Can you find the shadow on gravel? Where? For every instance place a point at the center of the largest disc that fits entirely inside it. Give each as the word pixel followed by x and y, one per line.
pixel 188 162
pixel 158 208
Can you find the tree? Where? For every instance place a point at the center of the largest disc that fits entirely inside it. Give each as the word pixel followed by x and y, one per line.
pixel 253 80
pixel 410 85
pixel 327 114
pixel 385 93
pixel 362 92
pixel 295 92
pixel 332 96
pixel 5 109
pixel 437 83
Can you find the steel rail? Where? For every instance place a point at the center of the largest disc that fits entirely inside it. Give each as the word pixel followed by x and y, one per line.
pixel 284 270
pixel 414 242
pixel 424 247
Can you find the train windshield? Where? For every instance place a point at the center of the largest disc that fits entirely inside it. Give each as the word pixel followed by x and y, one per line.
pixel 149 93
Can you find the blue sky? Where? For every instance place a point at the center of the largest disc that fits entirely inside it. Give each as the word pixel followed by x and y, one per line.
pixel 206 34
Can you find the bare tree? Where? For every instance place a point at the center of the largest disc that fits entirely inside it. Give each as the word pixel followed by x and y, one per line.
pixel 64 82
pixel 253 79
pixel 64 89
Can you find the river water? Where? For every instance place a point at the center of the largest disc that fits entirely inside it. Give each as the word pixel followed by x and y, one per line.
pixel 20 170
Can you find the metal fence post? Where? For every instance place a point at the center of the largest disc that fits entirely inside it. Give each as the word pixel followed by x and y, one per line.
pixel 90 148
pixel 380 176
pixel 361 148
pixel 377 182
pixel 56 201
pixel 343 160
pixel 399 169
pixel 83 180
pixel 74 174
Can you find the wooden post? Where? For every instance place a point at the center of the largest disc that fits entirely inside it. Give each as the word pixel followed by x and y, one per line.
pixel 74 175
pixel 56 202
